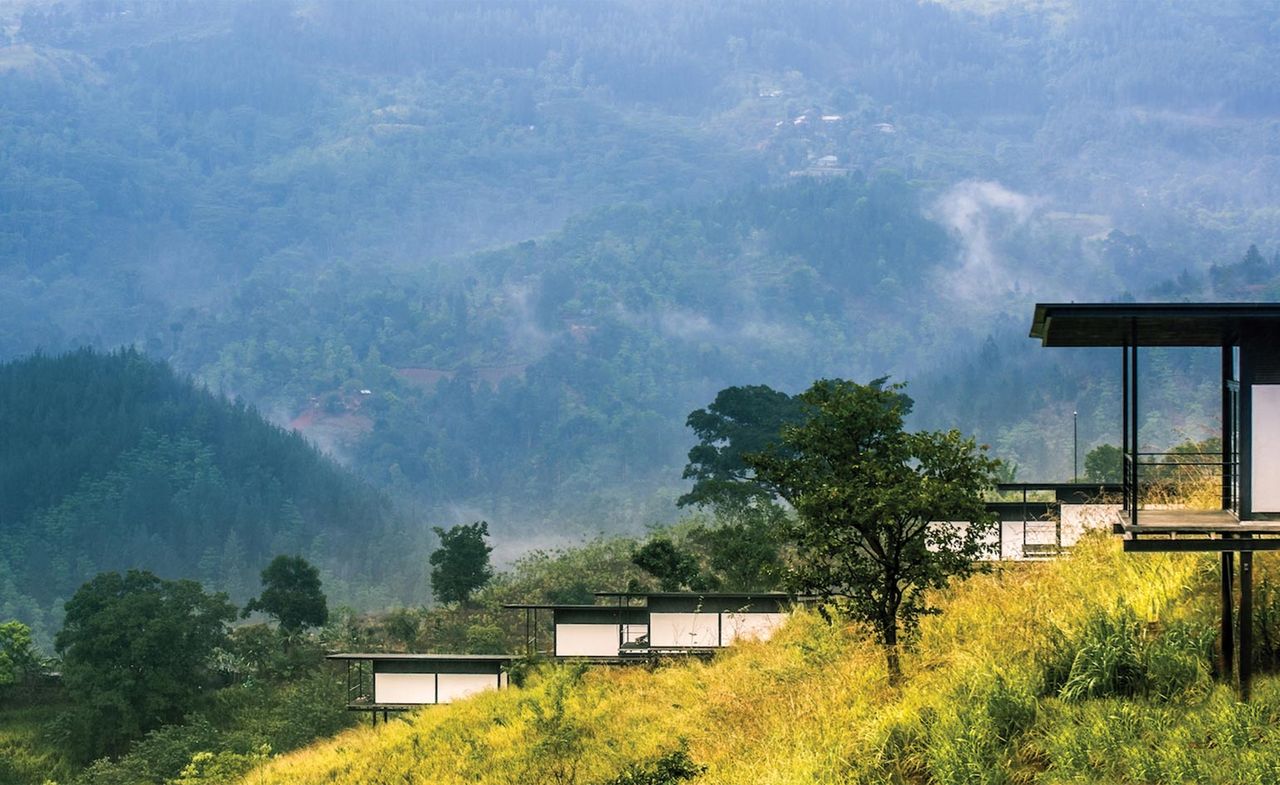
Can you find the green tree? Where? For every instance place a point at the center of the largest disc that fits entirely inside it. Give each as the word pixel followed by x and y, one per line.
pixel 1103 464
pixel 461 564
pixel 744 553
pixel 873 502
pixel 740 421
pixel 674 567
pixel 135 652
pixel 19 661
pixel 291 594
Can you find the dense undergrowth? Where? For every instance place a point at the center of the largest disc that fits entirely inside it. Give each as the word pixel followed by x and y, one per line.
pixel 27 754
pixel 1095 668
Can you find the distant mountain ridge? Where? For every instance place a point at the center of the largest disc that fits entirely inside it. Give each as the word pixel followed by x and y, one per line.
pixel 111 461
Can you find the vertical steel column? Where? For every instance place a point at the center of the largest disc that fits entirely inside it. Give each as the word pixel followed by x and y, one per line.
pixel 1246 624
pixel 1133 409
pixel 1124 425
pixel 1228 637
pixel 1228 426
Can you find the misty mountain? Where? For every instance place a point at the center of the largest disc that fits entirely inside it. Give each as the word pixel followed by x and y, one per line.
pixel 489 255
pixel 112 462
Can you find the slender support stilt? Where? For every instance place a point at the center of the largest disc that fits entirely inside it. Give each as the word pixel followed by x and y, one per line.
pixel 1228 634
pixel 1228 429
pixel 1124 425
pixel 1246 624
pixel 1133 430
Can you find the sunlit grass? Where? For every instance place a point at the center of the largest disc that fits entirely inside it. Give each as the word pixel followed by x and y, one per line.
pixel 814 705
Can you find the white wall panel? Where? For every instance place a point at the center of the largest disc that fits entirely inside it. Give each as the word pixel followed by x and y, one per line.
pixel 750 626
pixel 404 688
pixel 1080 518
pixel 1265 473
pixel 684 629
pixel 454 686
pixel 586 640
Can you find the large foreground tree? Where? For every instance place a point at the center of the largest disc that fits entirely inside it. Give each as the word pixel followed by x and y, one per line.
pixel 883 515
pixel 135 655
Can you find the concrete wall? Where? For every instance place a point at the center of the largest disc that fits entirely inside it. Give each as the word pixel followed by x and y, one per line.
pixel 1265 461
pixel 455 686
pixel 411 689
pixel 750 626
pixel 405 688
pixel 684 629
pixel 587 640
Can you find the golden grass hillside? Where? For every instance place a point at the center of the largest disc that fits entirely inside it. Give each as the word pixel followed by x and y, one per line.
pixel 1095 668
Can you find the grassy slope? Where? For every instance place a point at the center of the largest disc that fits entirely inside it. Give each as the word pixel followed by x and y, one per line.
pixel 27 754
pixel 813 705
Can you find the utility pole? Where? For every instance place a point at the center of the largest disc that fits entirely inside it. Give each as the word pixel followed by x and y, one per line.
pixel 1075 447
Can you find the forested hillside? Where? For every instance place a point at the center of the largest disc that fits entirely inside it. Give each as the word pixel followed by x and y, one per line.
pixel 554 364
pixel 111 462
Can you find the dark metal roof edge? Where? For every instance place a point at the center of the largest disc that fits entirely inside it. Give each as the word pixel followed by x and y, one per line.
pixel 1234 313
pixel 693 595
pixel 541 606
pixel 1038 322
pixel 379 655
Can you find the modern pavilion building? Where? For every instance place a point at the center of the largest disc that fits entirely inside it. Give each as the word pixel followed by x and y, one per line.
pixel 639 625
pixel 1245 515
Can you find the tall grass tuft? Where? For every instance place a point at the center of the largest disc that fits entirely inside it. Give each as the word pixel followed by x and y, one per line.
pixel 1108 658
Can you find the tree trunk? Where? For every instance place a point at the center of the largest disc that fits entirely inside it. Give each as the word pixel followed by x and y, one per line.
pixel 891 653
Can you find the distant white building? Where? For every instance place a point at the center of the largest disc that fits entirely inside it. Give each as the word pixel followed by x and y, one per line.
pixel 666 623
pixel 382 682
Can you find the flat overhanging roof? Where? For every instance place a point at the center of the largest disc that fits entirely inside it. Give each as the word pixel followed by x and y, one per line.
pixel 1149 324
pixel 418 657
pixel 544 606
pixel 717 595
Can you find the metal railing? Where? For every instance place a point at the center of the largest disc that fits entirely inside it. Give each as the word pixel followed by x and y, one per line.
pixel 1182 480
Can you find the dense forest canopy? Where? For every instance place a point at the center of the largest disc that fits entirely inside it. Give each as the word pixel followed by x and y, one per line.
pixel 491 255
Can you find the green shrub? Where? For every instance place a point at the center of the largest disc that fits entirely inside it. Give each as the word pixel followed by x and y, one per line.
pixel 559 735
pixel 1116 655
pixel 486 639
pixel 1266 626
pixel 1108 657
pixel 1011 708
pixel 1177 662
pixel 675 766
pixel 969 742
